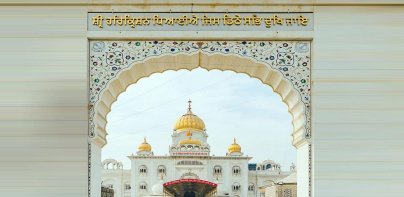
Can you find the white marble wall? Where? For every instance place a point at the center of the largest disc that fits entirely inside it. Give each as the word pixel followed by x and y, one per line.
pixel 204 172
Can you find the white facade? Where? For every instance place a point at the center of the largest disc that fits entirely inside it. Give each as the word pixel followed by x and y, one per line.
pixel 116 178
pixel 259 178
pixel 190 158
pixel 267 173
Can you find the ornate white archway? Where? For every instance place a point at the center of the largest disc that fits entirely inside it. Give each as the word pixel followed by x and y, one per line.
pixel 284 66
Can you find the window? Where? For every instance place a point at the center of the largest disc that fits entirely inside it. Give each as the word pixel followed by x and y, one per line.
pixel 161 170
pixel 268 166
pixel 142 186
pixel 236 170
pixel 127 187
pixel 236 187
pixel 252 166
pixel 217 170
pixel 251 187
pixel 143 170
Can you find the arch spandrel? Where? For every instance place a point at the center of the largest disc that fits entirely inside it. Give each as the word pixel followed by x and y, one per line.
pixel 284 66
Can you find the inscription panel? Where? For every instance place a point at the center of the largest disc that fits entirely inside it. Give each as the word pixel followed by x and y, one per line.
pixel 200 21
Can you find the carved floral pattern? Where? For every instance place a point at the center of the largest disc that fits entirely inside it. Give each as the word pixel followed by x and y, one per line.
pixel 292 59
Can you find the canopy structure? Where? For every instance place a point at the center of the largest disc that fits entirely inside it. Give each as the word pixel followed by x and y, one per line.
pixel 190 188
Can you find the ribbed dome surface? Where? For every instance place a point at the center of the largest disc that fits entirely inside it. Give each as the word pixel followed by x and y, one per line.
pixel 189 121
pixel 234 147
pixel 144 146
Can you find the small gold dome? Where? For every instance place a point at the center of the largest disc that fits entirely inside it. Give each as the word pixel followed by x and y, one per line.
pixel 189 121
pixel 144 146
pixel 234 147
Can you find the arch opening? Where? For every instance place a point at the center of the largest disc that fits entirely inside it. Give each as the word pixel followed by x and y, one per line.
pixel 209 61
pixel 253 69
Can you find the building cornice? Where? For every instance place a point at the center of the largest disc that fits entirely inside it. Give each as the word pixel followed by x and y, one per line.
pixel 190 157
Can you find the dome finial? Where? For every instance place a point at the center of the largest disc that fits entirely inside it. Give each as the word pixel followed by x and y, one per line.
pixel 234 141
pixel 189 105
pixel 144 139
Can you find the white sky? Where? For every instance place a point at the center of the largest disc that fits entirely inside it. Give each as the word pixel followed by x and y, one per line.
pixel 231 105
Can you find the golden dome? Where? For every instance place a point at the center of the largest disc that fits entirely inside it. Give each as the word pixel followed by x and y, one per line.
pixel 189 140
pixel 189 121
pixel 144 146
pixel 234 147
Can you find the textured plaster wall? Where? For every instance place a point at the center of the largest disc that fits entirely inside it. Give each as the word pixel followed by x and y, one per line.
pixel 43 101
pixel 358 108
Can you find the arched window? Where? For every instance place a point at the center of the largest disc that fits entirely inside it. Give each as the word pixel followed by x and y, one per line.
pixel 161 170
pixel 236 187
pixel 236 170
pixel 143 170
pixel 268 166
pixel 142 186
pixel 127 187
pixel 110 186
pixel 251 187
pixel 217 170
pixel 111 164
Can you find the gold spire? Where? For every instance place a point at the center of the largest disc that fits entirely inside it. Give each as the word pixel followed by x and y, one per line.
pixel 144 146
pixel 189 121
pixel 234 147
pixel 189 106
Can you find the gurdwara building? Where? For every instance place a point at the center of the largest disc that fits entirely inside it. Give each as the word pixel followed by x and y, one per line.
pixel 189 169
